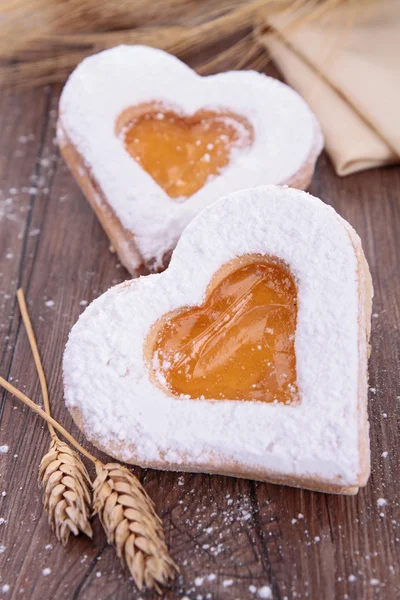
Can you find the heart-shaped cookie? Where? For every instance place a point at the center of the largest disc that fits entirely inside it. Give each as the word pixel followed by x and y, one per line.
pixel 151 143
pixel 247 356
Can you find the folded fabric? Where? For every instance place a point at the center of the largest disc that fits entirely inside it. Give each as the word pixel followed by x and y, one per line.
pixel 346 64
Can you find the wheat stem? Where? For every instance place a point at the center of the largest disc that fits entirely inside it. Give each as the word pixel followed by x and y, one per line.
pixel 21 396
pixel 66 483
pixel 36 356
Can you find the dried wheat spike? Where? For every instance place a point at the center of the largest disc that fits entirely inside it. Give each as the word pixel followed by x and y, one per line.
pixel 67 497
pixel 132 525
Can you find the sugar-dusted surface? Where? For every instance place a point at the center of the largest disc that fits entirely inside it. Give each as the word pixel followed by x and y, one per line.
pixel 107 379
pixel 104 85
pixel 218 528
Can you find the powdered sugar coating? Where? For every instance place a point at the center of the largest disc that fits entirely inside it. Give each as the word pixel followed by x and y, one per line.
pixel 107 379
pixel 104 85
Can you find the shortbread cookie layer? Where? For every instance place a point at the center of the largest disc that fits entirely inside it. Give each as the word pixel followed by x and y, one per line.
pixel 318 440
pixel 259 131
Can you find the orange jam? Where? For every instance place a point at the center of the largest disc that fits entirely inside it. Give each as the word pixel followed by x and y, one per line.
pixel 182 153
pixel 239 344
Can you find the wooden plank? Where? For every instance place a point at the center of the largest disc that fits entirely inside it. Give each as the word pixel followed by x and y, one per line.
pixel 22 125
pixel 228 535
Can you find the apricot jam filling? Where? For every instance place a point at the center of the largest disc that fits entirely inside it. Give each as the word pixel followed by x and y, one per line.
pixel 182 153
pixel 239 344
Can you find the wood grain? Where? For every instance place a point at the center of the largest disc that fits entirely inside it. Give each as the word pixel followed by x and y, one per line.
pixel 228 535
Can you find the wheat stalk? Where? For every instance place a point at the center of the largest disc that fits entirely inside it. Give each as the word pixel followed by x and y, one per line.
pixel 66 483
pixel 129 519
pixel 65 33
pixel 126 511
pixel 116 490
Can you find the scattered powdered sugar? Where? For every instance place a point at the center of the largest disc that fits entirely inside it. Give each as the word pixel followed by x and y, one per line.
pixel 107 378
pixel 46 571
pixel 381 502
pixel 2 548
pixel 3 449
pixel 5 588
pixel 49 303
pixel 286 134
pixel 265 592
pixel 252 589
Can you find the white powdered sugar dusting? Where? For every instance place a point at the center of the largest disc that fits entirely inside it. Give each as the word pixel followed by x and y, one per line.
pixel 107 378
pixel 286 134
pixel 265 592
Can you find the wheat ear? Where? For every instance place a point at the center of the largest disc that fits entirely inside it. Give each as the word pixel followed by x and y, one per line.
pixel 66 498
pixel 66 483
pixel 129 519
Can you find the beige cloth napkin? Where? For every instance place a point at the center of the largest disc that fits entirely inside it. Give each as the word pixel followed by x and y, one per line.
pixel 347 67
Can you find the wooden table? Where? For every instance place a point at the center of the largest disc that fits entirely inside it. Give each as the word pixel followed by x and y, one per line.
pixel 231 537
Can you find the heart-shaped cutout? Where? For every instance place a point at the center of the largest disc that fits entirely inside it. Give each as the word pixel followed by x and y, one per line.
pixel 122 399
pixel 182 153
pixel 121 114
pixel 239 344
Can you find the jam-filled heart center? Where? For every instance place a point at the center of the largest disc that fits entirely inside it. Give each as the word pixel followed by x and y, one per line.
pixel 182 153
pixel 239 344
